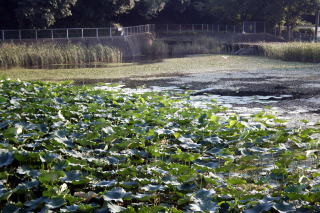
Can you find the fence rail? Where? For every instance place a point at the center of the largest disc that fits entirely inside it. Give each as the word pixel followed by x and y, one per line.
pixel 77 33
pixel 70 33
pixel 245 27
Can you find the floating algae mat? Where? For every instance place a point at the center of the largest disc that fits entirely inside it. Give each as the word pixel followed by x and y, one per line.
pixel 65 148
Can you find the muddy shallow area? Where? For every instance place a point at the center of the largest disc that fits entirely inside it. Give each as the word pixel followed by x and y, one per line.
pixel 291 94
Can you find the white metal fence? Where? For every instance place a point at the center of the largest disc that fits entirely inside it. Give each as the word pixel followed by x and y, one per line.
pixel 77 33
pixel 245 27
pixel 70 33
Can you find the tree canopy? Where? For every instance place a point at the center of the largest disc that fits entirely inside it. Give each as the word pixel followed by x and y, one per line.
pixel 73 13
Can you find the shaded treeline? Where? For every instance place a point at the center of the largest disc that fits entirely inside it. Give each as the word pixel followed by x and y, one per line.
pixel 84 13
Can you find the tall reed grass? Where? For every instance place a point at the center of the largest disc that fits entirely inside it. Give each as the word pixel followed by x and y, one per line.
pixel 292 51
pixel 158 49
pixel 200 45
pixel 43 54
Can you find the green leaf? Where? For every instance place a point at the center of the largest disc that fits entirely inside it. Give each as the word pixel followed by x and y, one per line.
pixel 6 158
pixel 116 194
pixel 113 208
pixel 55 203
pixel 51 176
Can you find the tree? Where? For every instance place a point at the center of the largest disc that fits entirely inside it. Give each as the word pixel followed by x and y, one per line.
pixel 98 12
pixel 8 18
pixel 42 13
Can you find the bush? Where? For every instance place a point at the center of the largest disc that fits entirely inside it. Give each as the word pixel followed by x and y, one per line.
pixel 158 49
pixel 201 45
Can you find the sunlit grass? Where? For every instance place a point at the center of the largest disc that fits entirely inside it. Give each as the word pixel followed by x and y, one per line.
pixel 187 65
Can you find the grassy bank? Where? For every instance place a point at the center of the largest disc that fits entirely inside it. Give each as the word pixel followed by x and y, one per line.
pixel 42 54
pixel 293 51
pixel 148 69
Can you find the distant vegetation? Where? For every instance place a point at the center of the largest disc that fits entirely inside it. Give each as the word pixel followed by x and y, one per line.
pixel 201 45
pixel 43 54
pixel 76 13
pixel 292 51
pixel 194 45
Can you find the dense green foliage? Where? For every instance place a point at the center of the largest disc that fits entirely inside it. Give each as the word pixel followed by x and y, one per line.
pixel 43 54
pixel 77 149
pixel 292 51
pixel 71 13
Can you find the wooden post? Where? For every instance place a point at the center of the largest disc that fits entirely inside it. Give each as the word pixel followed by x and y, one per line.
pixel 317 25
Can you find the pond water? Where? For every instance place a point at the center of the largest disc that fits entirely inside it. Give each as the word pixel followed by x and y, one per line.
pixel 242 105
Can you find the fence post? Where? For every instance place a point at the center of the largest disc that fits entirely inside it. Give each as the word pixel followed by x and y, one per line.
pixel 264 27
pixel 300 36
pixel 110 31
pixel 255 27
pixel 51 34
pixel 20 37
pixel 67 33
pixel 97 33
pixel 180 28
pixel 226 28
pixel 193 28
pixel 243 30
pixel 218 28
pixel 36 34
pixel 81 32
pixel 202 27
pixel 2 35
pixel 234 28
